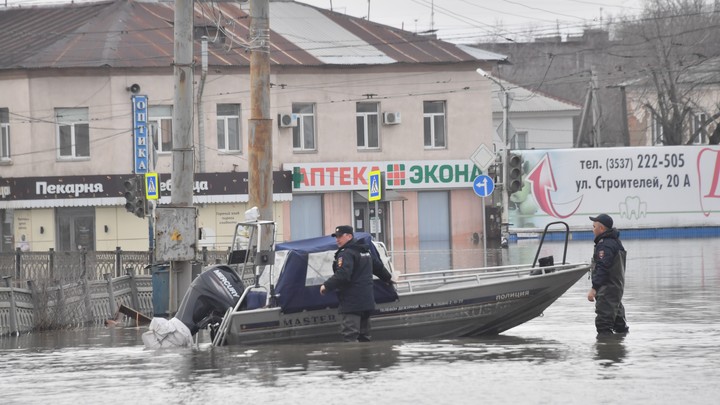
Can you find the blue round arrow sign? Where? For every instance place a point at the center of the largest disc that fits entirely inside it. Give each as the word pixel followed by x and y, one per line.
pixel 483 185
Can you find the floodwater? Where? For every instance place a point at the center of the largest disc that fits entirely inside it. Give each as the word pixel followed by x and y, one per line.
pixel 671 355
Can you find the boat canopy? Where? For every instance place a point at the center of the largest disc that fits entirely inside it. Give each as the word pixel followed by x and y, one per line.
pixel 304 265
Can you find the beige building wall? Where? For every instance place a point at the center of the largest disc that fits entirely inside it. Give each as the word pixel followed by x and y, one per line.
pixel 334 91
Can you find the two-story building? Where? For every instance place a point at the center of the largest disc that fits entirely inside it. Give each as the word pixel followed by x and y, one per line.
pixel 351 96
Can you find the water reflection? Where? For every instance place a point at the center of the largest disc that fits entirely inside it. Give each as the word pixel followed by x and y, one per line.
pixel 610 350
pixel 673 309
pixel 490 348
pixel 266 364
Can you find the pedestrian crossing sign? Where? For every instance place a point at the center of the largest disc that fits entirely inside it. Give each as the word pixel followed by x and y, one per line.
pixel 374 188
pixel 151 186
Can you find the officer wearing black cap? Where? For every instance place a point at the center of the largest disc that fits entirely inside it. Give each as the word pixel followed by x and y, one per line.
pixel 608 278
pixel 352 278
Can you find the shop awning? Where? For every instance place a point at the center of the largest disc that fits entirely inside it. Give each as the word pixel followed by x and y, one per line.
pixel 388 195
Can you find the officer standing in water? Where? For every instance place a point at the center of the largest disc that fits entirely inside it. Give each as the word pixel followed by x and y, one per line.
pixel 608 278
pixel 352 278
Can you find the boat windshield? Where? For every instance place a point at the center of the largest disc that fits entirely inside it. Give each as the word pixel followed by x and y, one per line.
pixel 319 268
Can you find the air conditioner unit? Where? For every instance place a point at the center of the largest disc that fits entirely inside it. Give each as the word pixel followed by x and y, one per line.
pixel 287 120
pixel 391 118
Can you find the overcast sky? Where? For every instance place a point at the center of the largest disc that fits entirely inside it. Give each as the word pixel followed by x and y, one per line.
pixel 468 20
pixel 472 20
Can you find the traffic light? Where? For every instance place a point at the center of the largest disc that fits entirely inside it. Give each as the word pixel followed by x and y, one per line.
pixel 135 195
pixel 514 175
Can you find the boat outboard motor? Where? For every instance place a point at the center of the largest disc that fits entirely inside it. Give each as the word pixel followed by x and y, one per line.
pixel 210 295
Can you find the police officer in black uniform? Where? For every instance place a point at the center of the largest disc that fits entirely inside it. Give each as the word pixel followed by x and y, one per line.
pixel 608 278
pixel 352 278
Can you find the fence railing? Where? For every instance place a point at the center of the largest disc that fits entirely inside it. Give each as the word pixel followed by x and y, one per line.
pixel 48 304
pixel 66 267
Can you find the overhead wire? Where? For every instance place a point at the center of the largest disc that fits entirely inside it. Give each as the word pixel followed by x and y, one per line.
pixel 396 95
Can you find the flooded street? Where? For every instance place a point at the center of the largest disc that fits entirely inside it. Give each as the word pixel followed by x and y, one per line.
pixel 670 356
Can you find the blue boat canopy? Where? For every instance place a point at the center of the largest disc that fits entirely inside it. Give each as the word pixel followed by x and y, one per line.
pixel 302 266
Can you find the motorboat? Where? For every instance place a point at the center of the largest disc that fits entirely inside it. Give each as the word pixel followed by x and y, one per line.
pixel 270 293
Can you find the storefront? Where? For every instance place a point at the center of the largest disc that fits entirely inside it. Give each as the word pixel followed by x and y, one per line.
pixel 88 212
pixel 425 205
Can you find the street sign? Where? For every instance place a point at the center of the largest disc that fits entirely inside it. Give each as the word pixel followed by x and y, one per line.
pixel 483 157
pixel 151 186
pixel 140 135
pixel 483 185
pixel 510 134
pixel 374 193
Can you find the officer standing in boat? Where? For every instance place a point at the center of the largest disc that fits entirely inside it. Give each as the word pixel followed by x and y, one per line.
pixel 352 278
pixel 608 278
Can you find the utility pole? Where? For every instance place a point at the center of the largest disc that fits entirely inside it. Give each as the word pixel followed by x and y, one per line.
pixel 182 153
pixel 200 106
pixel 260 125
pixel 504 230
pixel 505 101
pixel 596 111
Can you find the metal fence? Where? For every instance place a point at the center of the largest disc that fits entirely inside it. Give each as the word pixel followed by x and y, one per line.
pixel 67 267
pixel 49 304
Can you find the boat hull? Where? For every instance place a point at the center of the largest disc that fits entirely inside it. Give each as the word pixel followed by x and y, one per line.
pixel 469 308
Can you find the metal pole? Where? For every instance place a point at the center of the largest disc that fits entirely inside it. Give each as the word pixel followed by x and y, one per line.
pixel 260 126
pixel 182 154
pixel 485 253
pixel 505 196
pixel 151 205
pixel 377 221
pixel 597 112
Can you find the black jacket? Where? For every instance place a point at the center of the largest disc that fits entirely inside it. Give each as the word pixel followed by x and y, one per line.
pixel 353 270
pixel 608 261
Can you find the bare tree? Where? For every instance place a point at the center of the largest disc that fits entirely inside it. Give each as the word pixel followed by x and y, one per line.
pixel 671 46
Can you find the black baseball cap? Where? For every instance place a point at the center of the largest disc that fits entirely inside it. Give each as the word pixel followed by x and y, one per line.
pixel 603 219
pixel 342 229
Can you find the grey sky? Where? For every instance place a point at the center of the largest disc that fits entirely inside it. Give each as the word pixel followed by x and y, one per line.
pixel 471 20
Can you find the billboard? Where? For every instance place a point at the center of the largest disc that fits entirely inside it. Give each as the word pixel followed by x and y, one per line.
pixel 640 187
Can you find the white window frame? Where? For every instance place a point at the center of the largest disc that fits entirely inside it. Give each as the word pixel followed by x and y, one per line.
pixel 73 119
pixel 656 131
pixel 430 125
pixel 160 121
pixel 697 121
pixel 520 140
pixel 223 128
pixel 305 123
pixel 364 127
pixel 5 135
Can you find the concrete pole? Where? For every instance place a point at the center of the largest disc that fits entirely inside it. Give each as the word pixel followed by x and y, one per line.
pixel 182 153
pixel 260 162
pixel 200 106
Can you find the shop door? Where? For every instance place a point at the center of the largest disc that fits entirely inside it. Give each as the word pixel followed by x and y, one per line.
pixel 366 219
pixel 434 230
pixel 6 231
pixel 306 219
pixel 75 229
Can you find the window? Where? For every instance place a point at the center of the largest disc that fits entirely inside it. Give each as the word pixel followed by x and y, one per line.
pixel 4 134
pixel 519 141
pixel 160 123
pixel 73 133
pixel 656 130
pixel 698 128
pixel 434 121
pixel 228 127
pixel 368 125
pixel 304 132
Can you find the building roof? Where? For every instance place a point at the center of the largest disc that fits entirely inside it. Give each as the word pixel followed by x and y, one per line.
pixel 528 100
pixel 139 33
